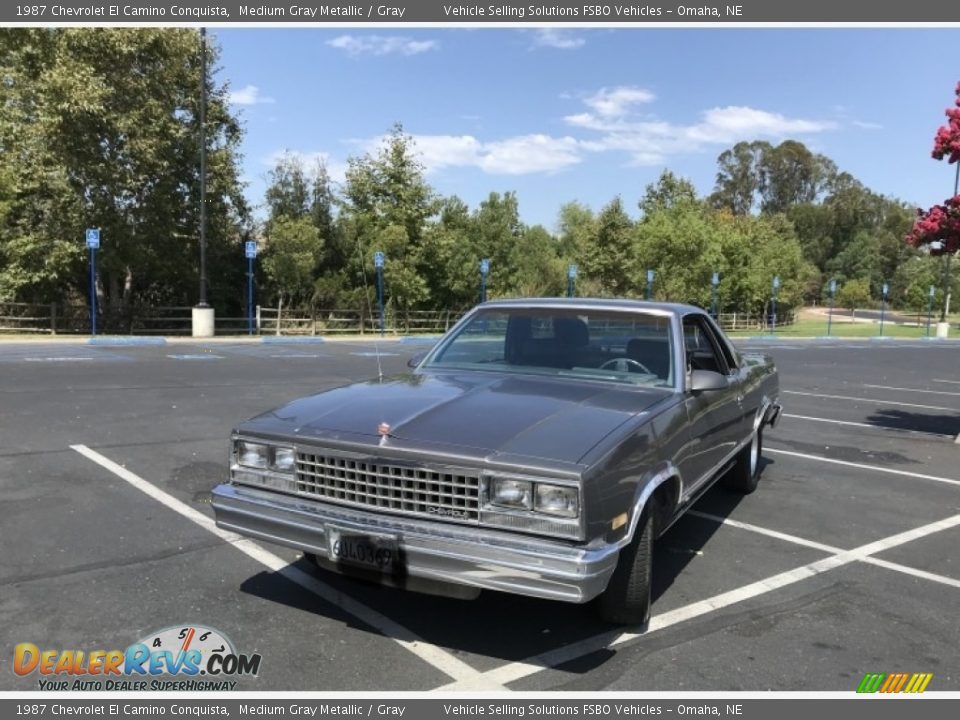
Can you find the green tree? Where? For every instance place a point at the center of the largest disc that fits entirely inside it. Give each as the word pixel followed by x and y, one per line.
pixel 88 145
pixel 386 205
pixel 740 179
pixel 610 260
pixel 293 245
pixel 854 294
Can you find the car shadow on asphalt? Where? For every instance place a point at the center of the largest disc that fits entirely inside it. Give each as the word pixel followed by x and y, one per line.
pixel 496 627
pixel 918 422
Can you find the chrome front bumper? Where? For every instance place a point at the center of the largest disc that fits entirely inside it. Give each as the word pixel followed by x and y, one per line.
pixel 432 551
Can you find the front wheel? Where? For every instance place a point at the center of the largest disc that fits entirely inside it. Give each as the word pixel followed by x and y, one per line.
pixel 626 600
pixel 745 473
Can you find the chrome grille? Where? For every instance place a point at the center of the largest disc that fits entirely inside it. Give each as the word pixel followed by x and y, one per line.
pixel 440 494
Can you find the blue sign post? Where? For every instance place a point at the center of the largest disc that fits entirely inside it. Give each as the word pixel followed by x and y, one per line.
pixel 883 304
pixel 714 284
pixel 378 259
pixel 833 291
pixel 931 294
pixel 93 242
pixel 484 271
pixel 571 280
pixel 250 251
pixel 650 275
pixel 773 299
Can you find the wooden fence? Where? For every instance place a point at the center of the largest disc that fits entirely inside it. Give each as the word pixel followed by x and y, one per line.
pixel 54 319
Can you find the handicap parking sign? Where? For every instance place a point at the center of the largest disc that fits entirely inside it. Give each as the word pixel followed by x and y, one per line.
pixel 93 238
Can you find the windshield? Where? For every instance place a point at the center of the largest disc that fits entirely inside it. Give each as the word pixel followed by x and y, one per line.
pixel 622 347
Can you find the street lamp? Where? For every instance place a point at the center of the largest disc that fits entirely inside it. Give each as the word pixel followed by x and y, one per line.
pixel 883 304
pixel 378 258
pixel 833 291
pixel 714 284
pixel 571 280
pixel 776 289
pixel 484 270
pixel 933 291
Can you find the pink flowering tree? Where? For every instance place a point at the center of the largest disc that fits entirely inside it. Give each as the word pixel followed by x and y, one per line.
pixel 941 223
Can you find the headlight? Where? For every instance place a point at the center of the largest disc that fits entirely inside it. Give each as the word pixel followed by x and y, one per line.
pixel 284 460
pixel 252 455
pixel 511 493
pixel 561 500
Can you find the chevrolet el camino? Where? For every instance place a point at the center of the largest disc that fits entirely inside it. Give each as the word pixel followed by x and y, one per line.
pixel 539 448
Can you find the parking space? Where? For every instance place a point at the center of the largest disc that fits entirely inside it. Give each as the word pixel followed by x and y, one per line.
pixel 843 562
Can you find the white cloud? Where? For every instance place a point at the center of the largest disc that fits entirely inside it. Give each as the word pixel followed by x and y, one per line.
pixel 336 169
pixel 650 142
pixel 519 155
pixel 529 154
pixel 864 125
pixel 249 95
pixel 616 102
pixel 557 39
pixel 382 45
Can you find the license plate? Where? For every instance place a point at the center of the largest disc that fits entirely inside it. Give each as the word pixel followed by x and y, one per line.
pixel 376 552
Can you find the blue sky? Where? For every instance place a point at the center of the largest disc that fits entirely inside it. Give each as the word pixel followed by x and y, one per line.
pixel 588 114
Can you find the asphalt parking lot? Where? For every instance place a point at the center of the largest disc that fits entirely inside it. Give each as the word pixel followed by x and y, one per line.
pixel 843 562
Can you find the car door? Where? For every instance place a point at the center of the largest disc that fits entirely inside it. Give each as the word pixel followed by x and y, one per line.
pixel 714 416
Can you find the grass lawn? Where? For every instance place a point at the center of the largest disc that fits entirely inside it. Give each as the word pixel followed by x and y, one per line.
pixel 818 328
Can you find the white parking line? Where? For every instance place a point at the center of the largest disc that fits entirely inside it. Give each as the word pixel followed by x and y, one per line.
pixel 952 382
pixel 906 569
pixel 867 400
pixel 862 466
pixel 431 654
pixel 530 666
pixel 863 425
pixel 913 390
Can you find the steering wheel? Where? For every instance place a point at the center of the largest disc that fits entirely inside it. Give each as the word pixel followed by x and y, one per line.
pixel 625 365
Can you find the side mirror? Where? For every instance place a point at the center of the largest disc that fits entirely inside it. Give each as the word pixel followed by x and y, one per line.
pixel 416 359
pixel 701 380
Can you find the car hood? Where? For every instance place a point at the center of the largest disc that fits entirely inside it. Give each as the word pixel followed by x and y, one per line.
pixel 477 414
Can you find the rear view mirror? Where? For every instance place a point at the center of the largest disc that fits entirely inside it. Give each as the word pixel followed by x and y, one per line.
pixel 701 380
pixel 416 359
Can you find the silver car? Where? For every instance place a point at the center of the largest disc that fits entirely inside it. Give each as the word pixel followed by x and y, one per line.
pixel 540 448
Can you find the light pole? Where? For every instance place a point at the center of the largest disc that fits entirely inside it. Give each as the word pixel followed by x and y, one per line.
pixel 93 242
pixel 933 291
pixel 571 280
pixel 833 291
pixel 202 313
pixel 484 269
pixel 203 167
pixel 250 251
pixel 776 288
pixel 378 258
pixel 883 304
pixel 714 284
pixel 650 276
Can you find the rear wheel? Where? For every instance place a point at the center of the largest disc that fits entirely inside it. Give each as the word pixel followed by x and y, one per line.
pixel 745 474
pixel 626 600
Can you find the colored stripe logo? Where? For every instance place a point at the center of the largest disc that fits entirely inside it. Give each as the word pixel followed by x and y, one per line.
pixel 894 682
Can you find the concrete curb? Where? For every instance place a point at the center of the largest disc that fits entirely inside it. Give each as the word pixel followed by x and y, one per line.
pixel 116 340
pixel 292 340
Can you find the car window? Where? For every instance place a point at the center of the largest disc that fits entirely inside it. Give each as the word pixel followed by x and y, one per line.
pixel 726 349
pixel 700 347
pixel 624 347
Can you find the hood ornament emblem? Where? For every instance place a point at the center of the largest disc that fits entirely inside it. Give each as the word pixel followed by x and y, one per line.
pixel 383 428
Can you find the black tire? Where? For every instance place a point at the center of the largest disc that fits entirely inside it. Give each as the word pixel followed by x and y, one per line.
pixel 626 600
pixel 745 473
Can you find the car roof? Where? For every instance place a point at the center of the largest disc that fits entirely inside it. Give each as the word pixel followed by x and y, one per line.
pixel 620 304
